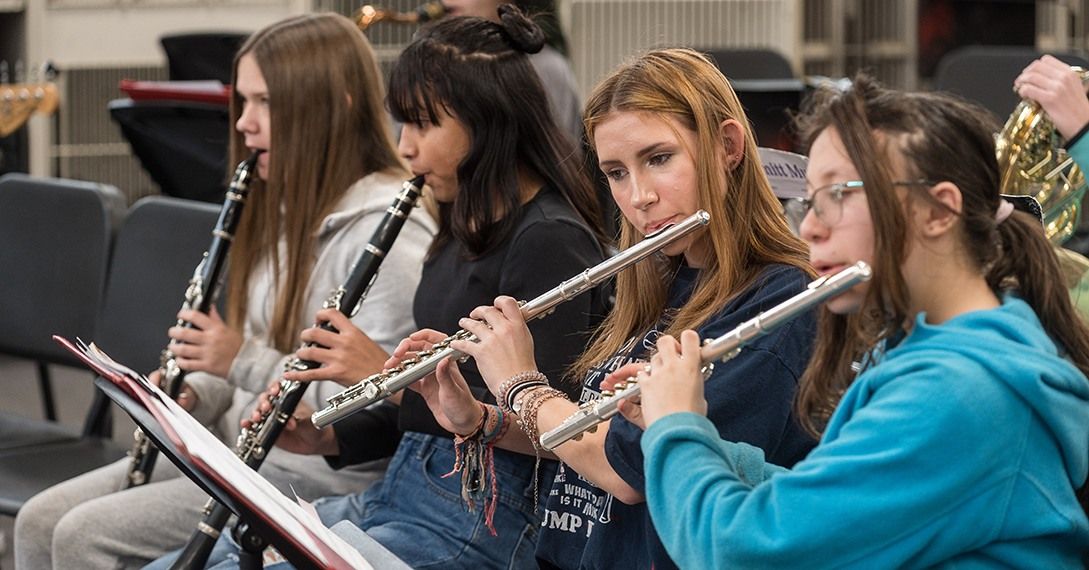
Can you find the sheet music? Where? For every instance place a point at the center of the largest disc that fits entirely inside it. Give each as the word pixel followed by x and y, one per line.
pixel 220 464
pixel 785 171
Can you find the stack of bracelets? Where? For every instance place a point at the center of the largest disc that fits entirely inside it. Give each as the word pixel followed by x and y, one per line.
pixel 522 395
pixel 519 396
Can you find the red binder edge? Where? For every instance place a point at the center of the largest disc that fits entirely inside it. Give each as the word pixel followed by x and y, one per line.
pixel 161 91
pixel 138 392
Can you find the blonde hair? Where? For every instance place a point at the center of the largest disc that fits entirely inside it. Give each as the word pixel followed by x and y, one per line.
pixel 328 129
pixel 747 231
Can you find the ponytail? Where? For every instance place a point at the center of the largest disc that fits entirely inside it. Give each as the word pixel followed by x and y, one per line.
pixel 1028 262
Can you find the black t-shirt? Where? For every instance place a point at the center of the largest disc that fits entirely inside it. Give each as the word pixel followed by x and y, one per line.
pixel 750 399
pixel 548 245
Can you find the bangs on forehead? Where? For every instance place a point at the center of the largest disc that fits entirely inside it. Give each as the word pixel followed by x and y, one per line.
pixel 413 99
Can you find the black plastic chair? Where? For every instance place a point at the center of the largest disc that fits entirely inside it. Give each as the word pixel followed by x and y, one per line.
pixel 767 88
pixel 985 74
pixel 751 64
pixel 181 144
pixel 157 249
pixel 159 246
pixel 768 104
pixel 55 240
pixel 202 55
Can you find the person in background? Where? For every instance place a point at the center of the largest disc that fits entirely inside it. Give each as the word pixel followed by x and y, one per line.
pixel 551 62
pixel 1060 92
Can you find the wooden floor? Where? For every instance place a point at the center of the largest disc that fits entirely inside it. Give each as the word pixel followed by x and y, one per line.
pixel 73 391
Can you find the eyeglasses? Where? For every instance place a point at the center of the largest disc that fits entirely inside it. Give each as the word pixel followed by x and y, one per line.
pixel 827 201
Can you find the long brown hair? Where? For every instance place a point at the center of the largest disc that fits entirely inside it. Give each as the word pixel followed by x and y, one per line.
pixel 937 137
pixel 328 129
pixel 747 231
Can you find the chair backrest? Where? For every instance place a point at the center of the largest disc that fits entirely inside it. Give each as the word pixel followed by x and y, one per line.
pixel 158 247
pixel 769 104
pixel 985 74
pixel 181 144
pixel 751 64
pixel 55 240
pixel 202 56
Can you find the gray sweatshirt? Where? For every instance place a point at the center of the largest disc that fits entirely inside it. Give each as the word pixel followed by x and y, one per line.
pixel 385 315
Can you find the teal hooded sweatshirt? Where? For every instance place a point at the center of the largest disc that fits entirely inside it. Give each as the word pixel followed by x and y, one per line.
pixel 961 448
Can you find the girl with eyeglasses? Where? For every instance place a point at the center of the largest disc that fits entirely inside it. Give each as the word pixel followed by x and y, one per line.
pixel 949 392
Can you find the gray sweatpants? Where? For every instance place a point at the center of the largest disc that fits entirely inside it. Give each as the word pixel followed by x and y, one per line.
pixel 86 522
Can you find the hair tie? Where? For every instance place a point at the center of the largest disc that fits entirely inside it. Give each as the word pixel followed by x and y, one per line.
pixel 1005 208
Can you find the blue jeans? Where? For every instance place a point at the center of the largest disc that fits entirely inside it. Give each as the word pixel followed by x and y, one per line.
pixel 420 517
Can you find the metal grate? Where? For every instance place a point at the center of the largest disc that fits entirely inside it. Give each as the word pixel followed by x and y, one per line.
pixel 387 38
pixel 89 145
pixel 129 4
pixel 840 37
pixel 604 33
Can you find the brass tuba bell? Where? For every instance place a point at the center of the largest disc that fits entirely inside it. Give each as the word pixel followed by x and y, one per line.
pixel 368 15
pixel 1033 162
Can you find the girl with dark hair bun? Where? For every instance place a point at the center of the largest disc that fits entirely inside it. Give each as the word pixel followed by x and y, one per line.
pixel 516 218
pixel 550 61
pixel 950 391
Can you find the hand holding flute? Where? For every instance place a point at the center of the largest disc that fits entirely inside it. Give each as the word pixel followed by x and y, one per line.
pixel 670 383
pixel 380 386
pixel 720 349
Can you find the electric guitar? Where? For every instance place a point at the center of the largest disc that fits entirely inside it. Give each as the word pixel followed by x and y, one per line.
pixel 18 101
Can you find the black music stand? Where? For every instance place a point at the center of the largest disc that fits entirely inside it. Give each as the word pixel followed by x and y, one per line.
pixel 181 144
pixel 259 529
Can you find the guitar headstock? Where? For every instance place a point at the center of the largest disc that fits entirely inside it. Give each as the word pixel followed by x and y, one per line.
pixel 18 101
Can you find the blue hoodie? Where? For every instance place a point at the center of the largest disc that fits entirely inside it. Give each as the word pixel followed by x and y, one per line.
pixel 961 447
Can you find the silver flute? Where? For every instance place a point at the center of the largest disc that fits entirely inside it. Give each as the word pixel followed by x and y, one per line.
pixel 720 349
pixel 384 384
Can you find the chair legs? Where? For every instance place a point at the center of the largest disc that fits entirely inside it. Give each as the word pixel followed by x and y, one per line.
pixel 99 420
pixel 45 384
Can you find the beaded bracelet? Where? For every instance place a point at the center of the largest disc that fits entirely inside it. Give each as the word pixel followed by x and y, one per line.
pixel 531 404
pixel 515 384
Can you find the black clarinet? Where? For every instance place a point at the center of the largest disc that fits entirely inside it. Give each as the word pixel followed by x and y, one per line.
pixel 199 295
pixel 255 441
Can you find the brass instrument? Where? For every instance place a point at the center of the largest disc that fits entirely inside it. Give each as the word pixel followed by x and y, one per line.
pixel 1033 162
pixel 378 387
pixel 720 349
pixel 368 15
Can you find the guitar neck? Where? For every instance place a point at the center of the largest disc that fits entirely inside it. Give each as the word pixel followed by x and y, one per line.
pixel 18 101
